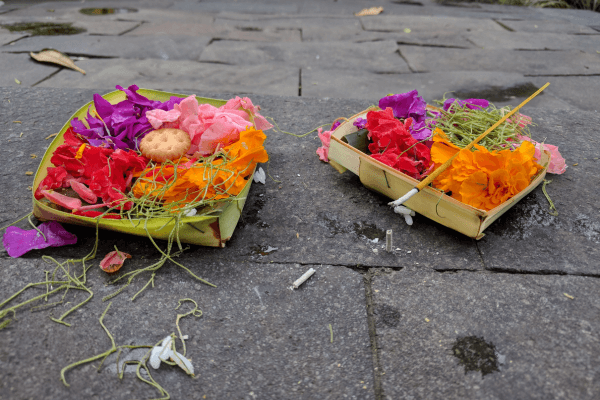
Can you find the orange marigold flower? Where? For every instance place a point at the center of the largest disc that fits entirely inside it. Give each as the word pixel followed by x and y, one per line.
pixel 480 178
pixel 224 177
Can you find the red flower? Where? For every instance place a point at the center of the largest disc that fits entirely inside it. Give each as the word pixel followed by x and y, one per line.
pixel 393 145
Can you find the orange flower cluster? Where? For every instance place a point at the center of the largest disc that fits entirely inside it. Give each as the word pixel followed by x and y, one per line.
pixel 481 178
pixel 224 177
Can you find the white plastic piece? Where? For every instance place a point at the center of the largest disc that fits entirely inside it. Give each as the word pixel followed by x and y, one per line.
pixel 388 240
pixel 303 278
pixel 260 176
pixel 402 199
pixel 404 210
pixel 154 358
pixel 408 219
pixel 191 212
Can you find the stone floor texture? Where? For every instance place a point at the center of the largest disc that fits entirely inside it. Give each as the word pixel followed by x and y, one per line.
pixel 515 315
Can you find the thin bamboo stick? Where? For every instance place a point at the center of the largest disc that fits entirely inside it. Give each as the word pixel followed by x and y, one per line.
pixel 445 165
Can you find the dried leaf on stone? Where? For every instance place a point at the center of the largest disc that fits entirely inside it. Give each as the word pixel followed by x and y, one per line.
pixel 55 57
pixel 113 261
pixel 369 11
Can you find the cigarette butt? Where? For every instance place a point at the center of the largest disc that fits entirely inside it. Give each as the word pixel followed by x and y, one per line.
pixel 303 278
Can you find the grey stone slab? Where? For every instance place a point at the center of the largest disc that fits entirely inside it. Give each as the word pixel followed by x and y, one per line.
pixel 527 237
pixel 397 23
pixel 237 7
pixel 157 46
pixel 113 28
pixel 551 26
pixel 529 63
pixel 502 88
pixel 580 17
pixel 355 84
pixel 6 37
pixel 378 56
pixel 582 92
pixel 215 31
pixel 256 337
pixel 23 68
pixel 286 21
pixel 528 41
pixel 178 75
pixel 528 340
pixel 358 35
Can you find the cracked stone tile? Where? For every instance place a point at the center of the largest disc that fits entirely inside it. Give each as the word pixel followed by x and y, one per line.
pixel 527 41
pixel 486 335
pixel 255 335
pixel 430 38
pixel 567 62
pixel 502 88
pixel 286 21
pixel 7 37
pixel 424 24
pixel 158 46
pixel 23 68
pixel 178 75
pixel 114 28
pixel 528 237
pixel 216 31
pixel 550 26
pixel 377 56
pixel 581 92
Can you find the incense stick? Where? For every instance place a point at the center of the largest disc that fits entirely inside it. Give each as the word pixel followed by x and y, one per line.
pixel 445 165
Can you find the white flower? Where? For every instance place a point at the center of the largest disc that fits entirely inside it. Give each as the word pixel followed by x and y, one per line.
pixel 260 176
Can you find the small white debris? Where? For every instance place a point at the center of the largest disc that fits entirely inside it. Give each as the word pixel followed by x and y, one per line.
pixel 185 337
pixel 154 359
pixel 260 176
pixel 375 251
pixel 376 240
pixel 183 363
pixel 409 252
pixel 408 219
pixel 303 278
pixel 191 212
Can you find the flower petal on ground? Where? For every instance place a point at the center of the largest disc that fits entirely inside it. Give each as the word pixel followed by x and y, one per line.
pixel 18 241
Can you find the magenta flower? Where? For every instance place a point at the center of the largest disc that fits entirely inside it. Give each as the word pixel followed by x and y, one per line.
pixel 17 241
pixel 123 125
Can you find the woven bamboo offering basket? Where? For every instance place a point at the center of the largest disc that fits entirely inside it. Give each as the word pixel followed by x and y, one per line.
pixel 211 228
pixel 429 202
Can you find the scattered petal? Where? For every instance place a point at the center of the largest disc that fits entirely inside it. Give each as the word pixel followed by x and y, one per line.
pixel 17 241
pixel 183 363
pixel 369 11
pixel 113 261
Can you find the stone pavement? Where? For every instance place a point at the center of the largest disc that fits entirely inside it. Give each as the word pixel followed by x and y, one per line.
pixel 440 317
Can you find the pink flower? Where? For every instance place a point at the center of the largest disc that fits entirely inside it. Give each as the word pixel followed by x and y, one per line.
pixel 210 128
pixel 557 162
pixel 323 151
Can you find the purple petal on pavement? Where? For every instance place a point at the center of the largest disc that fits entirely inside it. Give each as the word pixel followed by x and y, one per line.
pixel 18 241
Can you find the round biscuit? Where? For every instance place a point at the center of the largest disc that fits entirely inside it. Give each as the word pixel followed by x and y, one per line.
pixel 165 144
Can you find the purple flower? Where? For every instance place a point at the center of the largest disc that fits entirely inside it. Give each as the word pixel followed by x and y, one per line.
pixel 17 241
pixel 405 105
pixel 335 125
pixel 472 104
pixel 123 125
pixel 360 123
pixel 409 105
